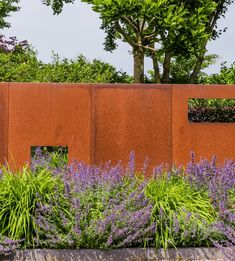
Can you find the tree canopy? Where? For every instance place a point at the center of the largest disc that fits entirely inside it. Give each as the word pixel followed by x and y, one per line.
pixel 225 76
pixel 156 28
pixel 7 6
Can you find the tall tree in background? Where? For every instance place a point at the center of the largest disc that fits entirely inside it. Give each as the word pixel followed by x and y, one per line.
pixel 7 6
pixel 154 28
pixel 174 26
pixel 214 32
pixel 158 28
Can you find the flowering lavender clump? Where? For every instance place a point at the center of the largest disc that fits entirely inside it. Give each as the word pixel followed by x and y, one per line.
pixel 55 161
pixel 219 182
pixel 125 221
pixel 8 246
pixel 124 218
pixel 54 226
pixel 100 207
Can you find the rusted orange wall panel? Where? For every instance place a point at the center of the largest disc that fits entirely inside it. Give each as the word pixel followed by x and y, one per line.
pixel 106 122
pixel 49 114
pixel 132 118
pixel 205 139
pixel 3 122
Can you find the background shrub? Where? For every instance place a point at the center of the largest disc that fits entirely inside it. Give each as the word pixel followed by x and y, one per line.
pixel 19 63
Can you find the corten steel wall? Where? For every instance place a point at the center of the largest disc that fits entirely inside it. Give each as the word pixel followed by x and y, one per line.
pixel 132 118
pixel 3 121
pixel 205 139
pixel 50 115
pixel 105 122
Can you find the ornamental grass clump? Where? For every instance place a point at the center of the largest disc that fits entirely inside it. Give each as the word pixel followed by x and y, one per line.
pixel 19 196
pixel 182 213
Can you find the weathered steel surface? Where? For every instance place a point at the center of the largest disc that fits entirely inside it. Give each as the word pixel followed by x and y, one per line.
pixel 3 121
pixel 128 254
pixel 48 115
pixel 106 122
pixel 205 139
pixel 132 118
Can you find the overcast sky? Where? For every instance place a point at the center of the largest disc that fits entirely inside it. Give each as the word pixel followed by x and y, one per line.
pixel 76 31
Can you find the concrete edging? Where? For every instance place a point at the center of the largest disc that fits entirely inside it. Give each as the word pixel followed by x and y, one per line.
pixel 126 254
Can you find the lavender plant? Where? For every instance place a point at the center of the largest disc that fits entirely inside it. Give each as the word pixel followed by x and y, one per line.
pixel 8 246
pixel 219 182
pixel 125 220
pixel 51 158
pixel 104 201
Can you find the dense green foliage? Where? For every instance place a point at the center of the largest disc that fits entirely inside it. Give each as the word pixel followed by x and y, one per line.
pixel 81 206
pixel 182 67
pixel 174 199
pixel 225 76
pixel 19 196
pixel 6 7
pixel 158 27
pixel 80 70
pixel 19 63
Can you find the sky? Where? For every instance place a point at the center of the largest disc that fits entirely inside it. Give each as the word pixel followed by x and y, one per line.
pixel 76 31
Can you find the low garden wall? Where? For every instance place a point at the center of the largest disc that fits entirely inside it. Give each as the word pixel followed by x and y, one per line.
pixel 105 122
pixel 131 254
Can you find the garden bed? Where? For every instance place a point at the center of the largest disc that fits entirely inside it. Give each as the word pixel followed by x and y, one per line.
pixel 116 212
pixel 127 254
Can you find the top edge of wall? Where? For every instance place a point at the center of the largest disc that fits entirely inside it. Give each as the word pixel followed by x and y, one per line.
pixel 116 85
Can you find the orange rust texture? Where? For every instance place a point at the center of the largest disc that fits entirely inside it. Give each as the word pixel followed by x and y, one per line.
pixel 3 121
pixel 105 122
pixel 205 139
pixel 136 118
pixel 48 115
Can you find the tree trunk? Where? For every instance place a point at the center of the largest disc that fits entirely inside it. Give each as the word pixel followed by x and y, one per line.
pixel 197 67
pixel 157 77
pixel 166 68
pixel 156 69
pixel 138 54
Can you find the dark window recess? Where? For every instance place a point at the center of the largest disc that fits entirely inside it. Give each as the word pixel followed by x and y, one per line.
pixel 51 157
pixel 211 110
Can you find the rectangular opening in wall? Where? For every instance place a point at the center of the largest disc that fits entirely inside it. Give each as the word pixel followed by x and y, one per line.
pixel 211 110
pixel 51 157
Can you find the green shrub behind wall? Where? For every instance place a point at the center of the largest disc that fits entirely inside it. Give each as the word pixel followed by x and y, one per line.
pixel 19 63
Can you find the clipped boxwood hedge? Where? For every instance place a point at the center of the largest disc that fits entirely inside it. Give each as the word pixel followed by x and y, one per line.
pixel 212 114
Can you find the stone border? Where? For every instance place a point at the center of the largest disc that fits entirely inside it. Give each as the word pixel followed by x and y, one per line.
pixel 126 254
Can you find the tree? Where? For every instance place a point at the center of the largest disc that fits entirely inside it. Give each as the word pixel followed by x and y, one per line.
pixel 213 31
pixel 152 27
pixel 182 68
pixel 7 6
pixel 225 76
